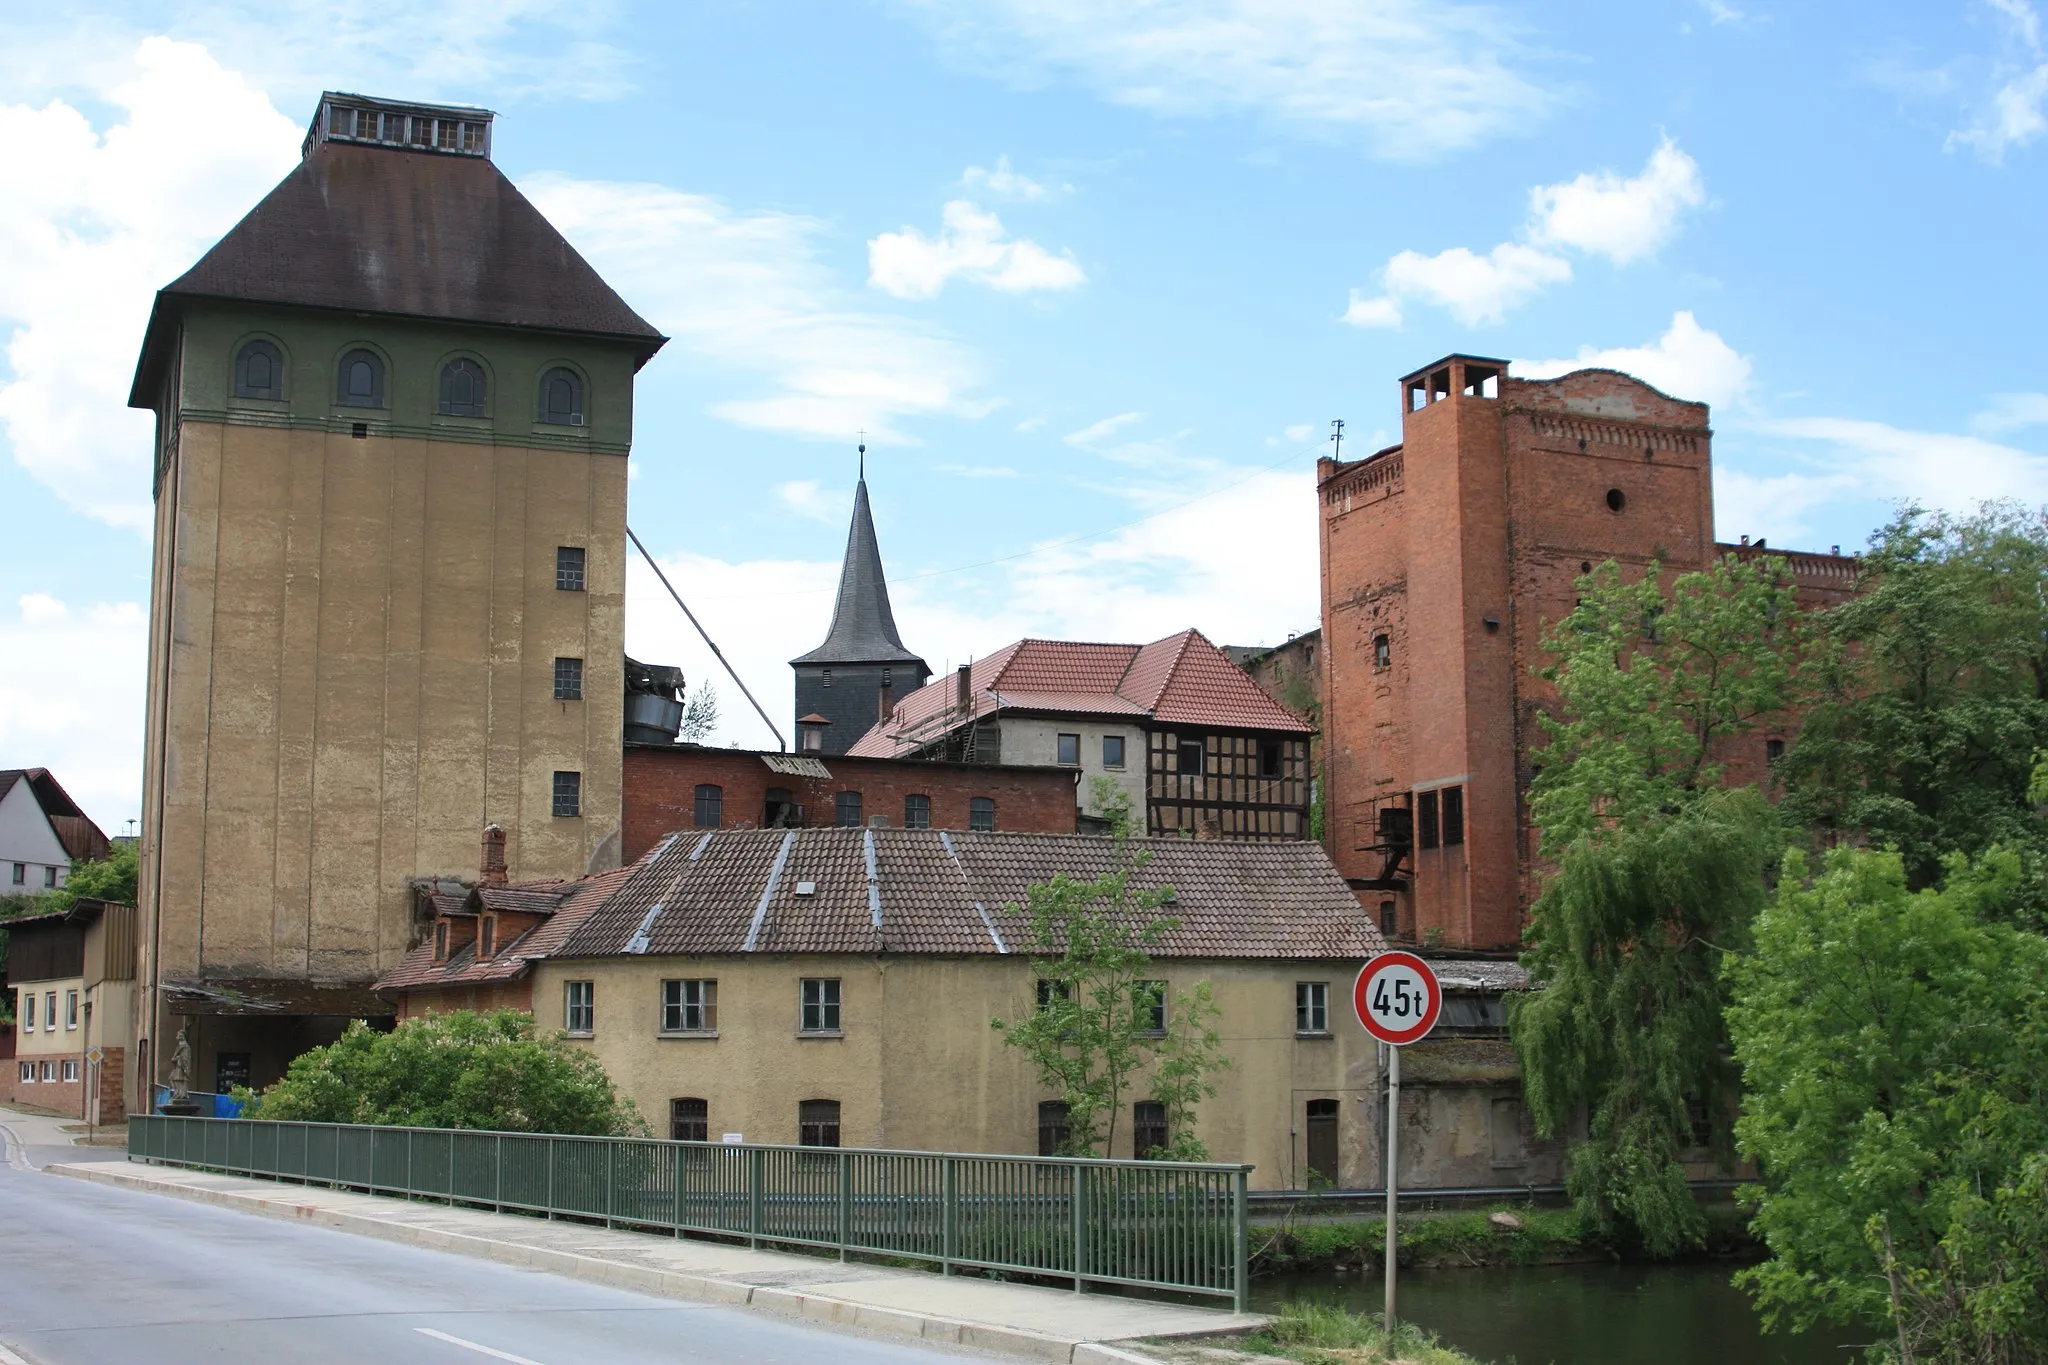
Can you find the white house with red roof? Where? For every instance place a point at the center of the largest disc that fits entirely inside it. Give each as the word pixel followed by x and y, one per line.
pixel 1194 743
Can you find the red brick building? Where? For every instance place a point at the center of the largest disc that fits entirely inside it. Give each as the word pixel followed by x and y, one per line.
pixel 1444 560
pixel 667 787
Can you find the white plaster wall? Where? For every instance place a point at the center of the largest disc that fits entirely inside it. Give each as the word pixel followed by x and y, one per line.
pixel 1035 740
pixel 26 838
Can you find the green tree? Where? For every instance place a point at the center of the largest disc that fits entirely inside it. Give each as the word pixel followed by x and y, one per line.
pixel 1658 871
pixel 1089 1037
pixel 1932 698
pixel 1895 1049
pixel 700 715
pixel 459 1070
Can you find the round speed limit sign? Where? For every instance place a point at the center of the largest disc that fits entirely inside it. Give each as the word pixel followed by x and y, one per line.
pixel 1397 998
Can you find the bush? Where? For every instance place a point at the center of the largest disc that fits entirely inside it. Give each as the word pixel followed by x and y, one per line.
pixel 459 1070
pixel 1307 1331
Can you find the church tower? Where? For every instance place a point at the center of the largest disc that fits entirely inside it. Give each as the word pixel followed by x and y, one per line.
pixel 387 601
pixel 856 677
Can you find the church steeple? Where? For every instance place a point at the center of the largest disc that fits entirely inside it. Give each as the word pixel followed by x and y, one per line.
pixel 855 676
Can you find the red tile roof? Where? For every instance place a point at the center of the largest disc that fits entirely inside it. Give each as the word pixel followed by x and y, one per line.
pixel 1181 680
pixel 566 905
pixel 936 891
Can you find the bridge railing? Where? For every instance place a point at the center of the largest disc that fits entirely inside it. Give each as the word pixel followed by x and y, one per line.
pixel 1149 1224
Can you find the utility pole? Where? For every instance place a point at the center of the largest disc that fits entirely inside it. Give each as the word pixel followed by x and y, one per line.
pixel 1337 439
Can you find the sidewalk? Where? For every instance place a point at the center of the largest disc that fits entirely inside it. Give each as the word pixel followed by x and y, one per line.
pixel 1028 1320
pixel 31 1140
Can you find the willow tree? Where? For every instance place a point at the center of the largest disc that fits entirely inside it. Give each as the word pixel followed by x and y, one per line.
pixel 1657 872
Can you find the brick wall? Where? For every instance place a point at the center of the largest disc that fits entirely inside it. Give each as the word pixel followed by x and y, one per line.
pixel 483 998
pixel 64 1097
pixel 1461 547
pixel 661 783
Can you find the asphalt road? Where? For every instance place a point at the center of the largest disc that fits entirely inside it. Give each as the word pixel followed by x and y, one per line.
pixel 96 1276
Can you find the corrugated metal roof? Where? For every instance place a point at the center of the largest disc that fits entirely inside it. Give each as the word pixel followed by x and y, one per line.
pixel 796 765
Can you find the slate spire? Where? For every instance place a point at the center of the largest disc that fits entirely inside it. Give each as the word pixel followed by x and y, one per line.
pixel 863 628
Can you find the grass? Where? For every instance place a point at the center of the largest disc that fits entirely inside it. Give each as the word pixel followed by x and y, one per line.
pixel 1321 1334
pixel 1547 1236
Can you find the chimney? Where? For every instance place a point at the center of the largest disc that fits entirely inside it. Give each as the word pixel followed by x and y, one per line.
pixel 885 702
pixel 493 873
pixel 1745 540
pixel 963 687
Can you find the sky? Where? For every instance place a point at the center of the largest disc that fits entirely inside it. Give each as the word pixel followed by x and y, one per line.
pixel 1092 280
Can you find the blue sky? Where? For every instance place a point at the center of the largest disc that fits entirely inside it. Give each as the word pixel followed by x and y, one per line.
pixel 1093 278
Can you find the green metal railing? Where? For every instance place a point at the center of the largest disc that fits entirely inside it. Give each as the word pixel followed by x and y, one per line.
pixel 1150 1224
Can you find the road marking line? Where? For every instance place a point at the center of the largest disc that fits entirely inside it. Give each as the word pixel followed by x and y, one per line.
pixel 478 1347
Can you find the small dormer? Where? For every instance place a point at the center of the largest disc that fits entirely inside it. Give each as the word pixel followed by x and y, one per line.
pixel 1455 376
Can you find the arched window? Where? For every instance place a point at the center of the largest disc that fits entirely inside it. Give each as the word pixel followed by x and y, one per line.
pixel 561 397
pixel 710 805
pixel 462 389
pixel 259 371
pixel 817 1123
pixel 689 1120
pixel 360 382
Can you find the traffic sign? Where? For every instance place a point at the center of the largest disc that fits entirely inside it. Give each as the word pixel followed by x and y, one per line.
pixel 1397 998
pixel 95 1056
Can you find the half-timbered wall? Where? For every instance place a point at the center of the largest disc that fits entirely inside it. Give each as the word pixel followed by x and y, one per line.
pixel 1251 786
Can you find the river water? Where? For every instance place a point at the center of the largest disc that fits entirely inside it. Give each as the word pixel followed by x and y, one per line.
pixel 1579 1314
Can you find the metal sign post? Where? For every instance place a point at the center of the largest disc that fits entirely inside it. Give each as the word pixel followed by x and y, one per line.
pixel 1397 998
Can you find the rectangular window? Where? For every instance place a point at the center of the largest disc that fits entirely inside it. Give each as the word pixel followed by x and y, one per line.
pixel 1271 756
pixel 1311 1007
pixel 28 1011
pixel 708 805
pixel 1148 1007
pixel 846 810
pixel 1426 832
pixel 568 680
pixel 568 795
pixel 71 1071
pixel 569 568
pixel 49 1073
pixel 1070 750
pixel 28 1073
pixel 49 876
pixel 1053 1127
pixel 689 1006
pixel 917 812
pixel 441 942
pixel 71 1009
pixel 50 1012
pixel 1049 991
pixel 817 1123
pixel 1774 749
pixel 1454 816
pixel 20 874
pixel 981 814
pixel 1148 1128
pixel 487 938
pixel 1112 751
pixel 579 1006
pixel 820 998
pixel 689 1120
pixel 1190 756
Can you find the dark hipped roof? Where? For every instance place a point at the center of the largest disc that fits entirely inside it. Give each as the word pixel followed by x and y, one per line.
pixel 405 233
pixel 863 628
pixel 939 891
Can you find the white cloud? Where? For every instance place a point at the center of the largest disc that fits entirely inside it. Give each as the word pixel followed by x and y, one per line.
pixel 94 220
pixel 1411 78
pixel 72 699
pixel 1299 431
pixel 746 291
pixel 807 499
pixel 1721 12
pixel 2016 111
pixel 1687 362
pixel 1775 506
pixel 1098 436
pixel 1599 213
pixel 1623 219
pixel 1031 424
pixel 1933 468
pixel 1006 182
pixel 971 245
pixel 977 471
pixel 2011 412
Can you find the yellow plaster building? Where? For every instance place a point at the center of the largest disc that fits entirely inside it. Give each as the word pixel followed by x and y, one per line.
pixel 393 412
